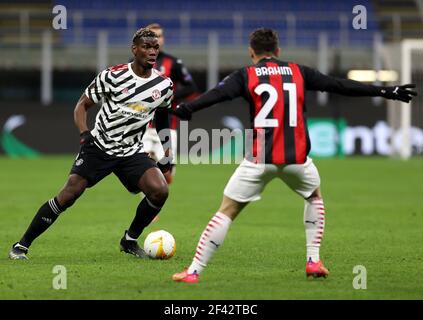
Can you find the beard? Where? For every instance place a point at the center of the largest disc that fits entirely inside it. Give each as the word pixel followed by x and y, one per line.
pixel 144 64
pixel 148 66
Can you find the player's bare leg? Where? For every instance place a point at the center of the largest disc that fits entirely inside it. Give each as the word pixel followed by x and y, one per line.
pixel 154 186
pixel 314 222
pixel 48 213
pixel 211 239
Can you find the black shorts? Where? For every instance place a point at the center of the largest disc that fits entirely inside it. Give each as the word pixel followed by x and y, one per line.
pixel 94 164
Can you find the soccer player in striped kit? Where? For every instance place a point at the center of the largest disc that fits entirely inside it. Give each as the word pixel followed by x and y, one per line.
pixel 275 92
pixel 130 95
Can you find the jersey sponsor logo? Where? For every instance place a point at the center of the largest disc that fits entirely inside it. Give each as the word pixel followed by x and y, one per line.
pixel 156 94
pixel 268 71
pixel 138 107
pixel 137 110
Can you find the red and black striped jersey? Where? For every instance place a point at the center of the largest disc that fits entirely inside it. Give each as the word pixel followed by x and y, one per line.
pixel 275 92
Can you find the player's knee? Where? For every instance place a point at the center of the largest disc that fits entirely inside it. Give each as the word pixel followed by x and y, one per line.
pixel 159 195
pixel 231 208
pixel 73 189
pixel 315 194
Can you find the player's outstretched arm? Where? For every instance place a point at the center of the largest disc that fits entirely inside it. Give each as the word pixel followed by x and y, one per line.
pixel 184 110
pixel 230 88
pixel 315 80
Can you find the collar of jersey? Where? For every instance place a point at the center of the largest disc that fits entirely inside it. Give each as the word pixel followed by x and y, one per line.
pixel 267 59
pixel 138 77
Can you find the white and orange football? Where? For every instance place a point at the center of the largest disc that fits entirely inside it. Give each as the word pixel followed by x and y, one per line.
pixel 160 245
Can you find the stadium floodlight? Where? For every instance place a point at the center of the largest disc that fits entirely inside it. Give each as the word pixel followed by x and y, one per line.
pixel 372 75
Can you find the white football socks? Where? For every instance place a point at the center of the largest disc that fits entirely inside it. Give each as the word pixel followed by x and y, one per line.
pixel 314 222
pixel 210 240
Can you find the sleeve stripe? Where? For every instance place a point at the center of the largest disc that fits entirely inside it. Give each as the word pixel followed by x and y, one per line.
pixel 97 85
pixel 89 95
pixel 166 100
pixel 103 87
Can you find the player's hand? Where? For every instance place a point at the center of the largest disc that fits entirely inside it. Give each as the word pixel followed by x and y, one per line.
pixel 86 138
pixel 183 112
pixel 402 93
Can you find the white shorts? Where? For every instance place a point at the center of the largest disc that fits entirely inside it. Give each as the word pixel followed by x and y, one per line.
pixel 249 179
pixel 153 146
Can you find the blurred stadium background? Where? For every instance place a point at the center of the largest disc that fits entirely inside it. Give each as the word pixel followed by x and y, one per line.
pixel 373 203
pixel 44 71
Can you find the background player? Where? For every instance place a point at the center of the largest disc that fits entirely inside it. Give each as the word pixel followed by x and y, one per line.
pixel 131 94
pixel 275 91
pixel 183 86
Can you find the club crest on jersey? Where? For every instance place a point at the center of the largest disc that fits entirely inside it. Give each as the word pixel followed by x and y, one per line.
pixel 156 94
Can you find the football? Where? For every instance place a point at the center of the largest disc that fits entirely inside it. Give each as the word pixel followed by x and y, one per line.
pixel 160 245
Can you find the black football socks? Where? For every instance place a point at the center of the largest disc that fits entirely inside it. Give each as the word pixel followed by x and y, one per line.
pixel 146 211
pixel 44 218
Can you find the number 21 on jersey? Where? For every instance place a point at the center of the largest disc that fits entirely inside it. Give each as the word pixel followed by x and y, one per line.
pixel 261 120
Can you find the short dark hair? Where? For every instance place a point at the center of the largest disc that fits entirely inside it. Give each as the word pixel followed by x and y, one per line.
pixel 264 40
pixel 143 33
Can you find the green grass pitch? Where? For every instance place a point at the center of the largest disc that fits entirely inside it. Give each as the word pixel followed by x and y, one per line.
pixel 374 218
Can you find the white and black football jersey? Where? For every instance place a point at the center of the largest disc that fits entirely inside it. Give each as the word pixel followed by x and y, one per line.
pixel 128 104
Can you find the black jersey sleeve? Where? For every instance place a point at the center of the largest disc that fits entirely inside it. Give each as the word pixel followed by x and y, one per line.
pixel 314 80
pixel 181 74
pixel 229 88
